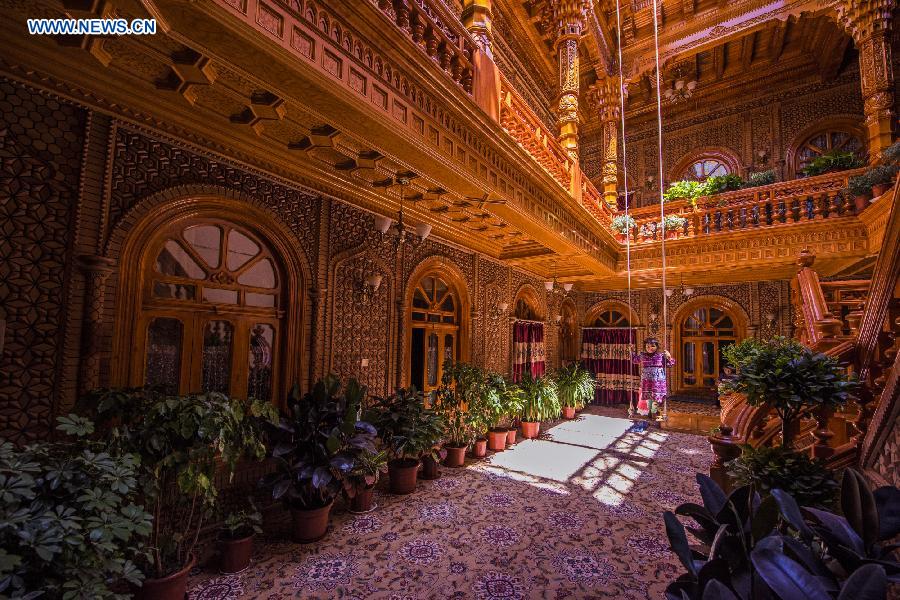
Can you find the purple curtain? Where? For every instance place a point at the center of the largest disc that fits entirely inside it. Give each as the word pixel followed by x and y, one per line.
pixel 528 349
pixel 607 354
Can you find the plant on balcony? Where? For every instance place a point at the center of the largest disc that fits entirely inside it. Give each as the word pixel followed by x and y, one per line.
pixel 768 468
pixel 881 177
pixel 540 401
pixel 788 377
pixel 718 184
pixel 750 548
pixel 759 178
pixel 674 224
pixel 70 522
pixel 622 224
pixel 183 442
pixel 648 230
pixel 687 190
pixel 891 154
pixel 575 387
pixel 831 162
pixel 316 445
pixel 410 431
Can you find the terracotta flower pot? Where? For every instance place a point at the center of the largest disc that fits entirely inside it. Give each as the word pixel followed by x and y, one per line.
pixel 880 189
pixel 530 429
pixel 497 439
pixel 479 448
pixel 456 456
pixel 511 436
pixel 236 554
pixel 362 501
pixel 621 237
pixel 569 412
pixel 170 587
pixel 402 473
pixel 861 202
pixel 671 234
pixel 310 525
pixel 430 469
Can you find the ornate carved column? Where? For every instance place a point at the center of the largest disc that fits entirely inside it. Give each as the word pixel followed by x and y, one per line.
pixel 476 17
pixel 570 17
pixel 869 24
pixel 96 271
pixel 605 97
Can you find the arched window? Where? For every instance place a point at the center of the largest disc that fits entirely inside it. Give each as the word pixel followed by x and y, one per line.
pixel 610 317
pixel 705 333
pixel 524 310
pixel 826 141
pixel 704 163
pixel 434 316
pixel 209 318
pixel 701 169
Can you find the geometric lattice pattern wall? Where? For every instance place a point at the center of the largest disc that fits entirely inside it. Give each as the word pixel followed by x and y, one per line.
pixel 41 143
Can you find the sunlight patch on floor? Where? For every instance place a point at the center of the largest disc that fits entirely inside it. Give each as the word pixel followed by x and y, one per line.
pixel 544 459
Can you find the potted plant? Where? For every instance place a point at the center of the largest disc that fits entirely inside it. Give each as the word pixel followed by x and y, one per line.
pixel 458 385
pixel 511 397
pixel 316 445
pixel 881 178
pixel 182 442
pixel 775 467
pixel 684 190
pixel 71 522
pixel 360 482
pixel 409 431
pixel 622 224
pixel 831 162
pixel 540 402
pixel 494 394
pixel 575 387
pixel 718 184
pixel 860 189
pixel 748 548
pixel 674 225
pixel 788 377
pixel 759 178
pixel 891 154
pixel 236 538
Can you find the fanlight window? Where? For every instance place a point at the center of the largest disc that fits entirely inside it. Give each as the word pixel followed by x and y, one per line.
pixel 434 301
pixel 708 322
pixel 611 318
pixel 524 310
pixel 825 142
pixel 705 167
pixel 705 334
pixel 215 264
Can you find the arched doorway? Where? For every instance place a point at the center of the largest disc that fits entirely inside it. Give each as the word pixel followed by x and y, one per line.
pixel 436 306
pixel 567 332
pixel 704 328
pixel 210 315
pixel 528 354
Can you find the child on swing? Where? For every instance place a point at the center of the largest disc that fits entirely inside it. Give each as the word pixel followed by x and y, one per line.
pixel 653 365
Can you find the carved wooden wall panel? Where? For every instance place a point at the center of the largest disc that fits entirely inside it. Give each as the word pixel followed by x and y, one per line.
pixel 887 465
pixel 41 142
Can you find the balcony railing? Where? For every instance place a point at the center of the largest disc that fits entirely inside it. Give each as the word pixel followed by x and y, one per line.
pixel 783 203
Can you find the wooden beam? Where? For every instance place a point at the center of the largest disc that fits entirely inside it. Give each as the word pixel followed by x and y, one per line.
pixel 776 46
pixel 719 59
pixel 748 47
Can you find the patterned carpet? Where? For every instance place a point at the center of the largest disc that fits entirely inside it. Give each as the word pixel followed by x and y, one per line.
pixel 576 514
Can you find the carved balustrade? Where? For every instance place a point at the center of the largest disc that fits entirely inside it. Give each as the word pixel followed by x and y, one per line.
pixel 437 32
pixel 784 203
pixel 592 200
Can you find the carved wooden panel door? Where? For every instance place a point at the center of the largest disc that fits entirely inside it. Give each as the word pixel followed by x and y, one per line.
pixel 705 333
pixel 435 331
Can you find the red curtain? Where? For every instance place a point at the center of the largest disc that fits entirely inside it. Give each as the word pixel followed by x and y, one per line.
pixel 528 349
pixel 607 354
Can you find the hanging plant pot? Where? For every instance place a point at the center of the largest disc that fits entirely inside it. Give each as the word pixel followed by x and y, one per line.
pixel 861 202
pixel 235 554
pixel 362 501
pixel 497 439
pixel 430 469
pixel 511 435
pixel 310 525
pixel 530 429
pixel 880 189
pixel 569 412
pixel 456 456
pixel 171 587
pixel 402 474
pixel 479 448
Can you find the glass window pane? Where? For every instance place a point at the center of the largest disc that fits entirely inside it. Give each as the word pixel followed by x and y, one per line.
pixel 708 353
pixel 216 366
pixel 434 318
pixel 164 341
pixel 219 296
pixel 447 304
pixel 260 275
pixel 174 291
pixel 689 357
pixel 449 348
pixel 419 299
pixel 206 240
pixel 259 377
pixel 174 260
pixel 417 316
pixel 431 365
pixel 448 319
pixel 263 300
pixel 240 250
pixel 440 289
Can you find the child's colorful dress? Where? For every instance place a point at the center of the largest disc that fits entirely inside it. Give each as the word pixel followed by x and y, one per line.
pixel 653 380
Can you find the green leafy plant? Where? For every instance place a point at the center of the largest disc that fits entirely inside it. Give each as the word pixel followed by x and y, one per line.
pixel 674 222
pixel 769 468
pixel 70 522
pixel 540 399
pixel 182 442
pixel 860 186
pixel 575 385
pixel 243 523
pixel 830 162
pixel 318 443
pixel 458 395
pixel 623 224
pixel 721 183
pixel 406 426
pixel 759 178
pixel 366 471
pixel 754 548
pixel 787 376
pixel 688 190
pixel 891 154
